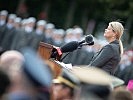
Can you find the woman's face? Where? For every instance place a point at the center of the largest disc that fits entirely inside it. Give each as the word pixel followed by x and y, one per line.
pixel 109 32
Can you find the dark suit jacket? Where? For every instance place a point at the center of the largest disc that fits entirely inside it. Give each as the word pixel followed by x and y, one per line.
pixel 2 32
pixel 108 57
pixel 8 38
pixel 21 40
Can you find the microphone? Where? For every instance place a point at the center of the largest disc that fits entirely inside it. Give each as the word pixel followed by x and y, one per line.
pixel 71 46
pixel 87 41
pixel 89 38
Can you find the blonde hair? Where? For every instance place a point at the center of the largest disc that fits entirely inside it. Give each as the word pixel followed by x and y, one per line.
pixel 119 29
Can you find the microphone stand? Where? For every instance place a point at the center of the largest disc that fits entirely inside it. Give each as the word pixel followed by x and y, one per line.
pixel 79 47
pixel 64 57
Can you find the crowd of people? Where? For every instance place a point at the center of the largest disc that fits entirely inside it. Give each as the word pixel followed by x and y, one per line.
pixel 26 76
pixel 17 33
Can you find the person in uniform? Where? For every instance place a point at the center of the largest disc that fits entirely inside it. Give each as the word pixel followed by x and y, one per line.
pixel 64 86
pixel 95 83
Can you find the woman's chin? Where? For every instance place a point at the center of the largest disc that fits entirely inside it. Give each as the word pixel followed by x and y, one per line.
pixel 104 35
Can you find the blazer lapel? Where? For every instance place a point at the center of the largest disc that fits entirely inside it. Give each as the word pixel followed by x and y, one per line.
pixel 96 54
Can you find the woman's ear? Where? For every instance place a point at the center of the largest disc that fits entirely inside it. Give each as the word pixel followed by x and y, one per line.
pixel 115 34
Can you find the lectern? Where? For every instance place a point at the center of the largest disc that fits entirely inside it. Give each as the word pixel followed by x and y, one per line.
pixel 45 50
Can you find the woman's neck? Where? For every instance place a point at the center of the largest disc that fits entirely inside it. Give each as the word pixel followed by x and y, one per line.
pixel 111 40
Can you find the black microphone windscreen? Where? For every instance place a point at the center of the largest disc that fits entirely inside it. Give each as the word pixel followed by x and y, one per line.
pixel 69 47
pixel 89 38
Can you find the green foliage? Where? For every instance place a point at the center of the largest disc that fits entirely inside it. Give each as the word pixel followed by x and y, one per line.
pixel 58 10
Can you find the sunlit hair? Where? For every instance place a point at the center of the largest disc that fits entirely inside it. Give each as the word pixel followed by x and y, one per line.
pixel 118 28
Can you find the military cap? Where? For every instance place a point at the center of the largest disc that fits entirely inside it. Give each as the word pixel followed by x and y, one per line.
pixel 50 26
pixel 18 19
pixel 96 76
pixel 36 70
pixel 41 22
pixel 92 75
pixel 31 20
pixel 3 12
pixel 67 78
pixel 78 31
pixel 69 31
pixel 12 16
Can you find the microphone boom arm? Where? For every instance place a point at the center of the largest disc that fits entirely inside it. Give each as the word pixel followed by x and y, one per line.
pixel 64 56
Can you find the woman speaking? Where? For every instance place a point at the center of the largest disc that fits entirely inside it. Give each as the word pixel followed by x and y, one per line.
pixel 109 56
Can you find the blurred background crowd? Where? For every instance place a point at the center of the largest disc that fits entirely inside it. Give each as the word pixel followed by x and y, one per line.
pixel 26 23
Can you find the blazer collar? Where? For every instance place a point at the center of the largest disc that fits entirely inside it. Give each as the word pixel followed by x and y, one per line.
pixel 114 42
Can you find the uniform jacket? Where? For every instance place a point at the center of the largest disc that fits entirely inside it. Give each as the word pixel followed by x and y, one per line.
pixel 108 57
